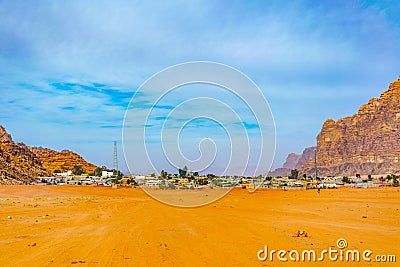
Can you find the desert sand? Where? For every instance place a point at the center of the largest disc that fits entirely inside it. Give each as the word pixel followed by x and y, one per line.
pixel 97 226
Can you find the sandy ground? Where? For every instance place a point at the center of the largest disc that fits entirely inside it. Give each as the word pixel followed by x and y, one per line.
pixel 95 226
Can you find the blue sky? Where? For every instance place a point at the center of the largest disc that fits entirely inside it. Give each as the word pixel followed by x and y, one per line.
pixel 69 69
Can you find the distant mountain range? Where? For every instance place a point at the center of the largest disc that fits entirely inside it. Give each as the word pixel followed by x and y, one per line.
pixel 294 161
pixel 366 143
pixel 21 164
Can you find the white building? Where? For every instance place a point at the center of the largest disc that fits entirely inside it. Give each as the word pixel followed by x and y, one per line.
pixel 106 174
pixel 152 182
pixel 68 173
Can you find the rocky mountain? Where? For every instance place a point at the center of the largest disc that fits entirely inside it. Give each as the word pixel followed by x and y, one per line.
pixel 291 161
pixel 283 172
pixel 4 136
pixel 307 155
pixel 63 161
pixel 294 161
pixel 366 143
pixel 20 164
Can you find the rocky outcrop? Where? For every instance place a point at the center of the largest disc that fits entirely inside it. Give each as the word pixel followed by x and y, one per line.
pixel 63 161
pixel 294 161
pixel 4 136
pixel 307 155
pixel 20 164
pixel 291 161
pixel 365 143
pixel 279 172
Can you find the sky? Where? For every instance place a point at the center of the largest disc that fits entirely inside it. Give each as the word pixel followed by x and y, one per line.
pixel 69 69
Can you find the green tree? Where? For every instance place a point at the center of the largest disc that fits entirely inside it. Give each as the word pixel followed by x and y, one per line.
pixel 211 176
pixel 358 175
pixel 117 174
pixel 57 171
pixel 77 170
pixel 98 170
pixel 395 180
pixel 346 180
pixel 182 172
pixel 294 174
pixel 202 181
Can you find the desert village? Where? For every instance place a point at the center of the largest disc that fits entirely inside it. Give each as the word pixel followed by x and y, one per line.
pixel 110 179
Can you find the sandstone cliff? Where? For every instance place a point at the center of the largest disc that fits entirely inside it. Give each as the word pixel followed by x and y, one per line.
pixel 294 161
pixel 63 161
pixel 20 164
pixel 291 161
pixel 307 155
pixel 4 136
pixel 365 143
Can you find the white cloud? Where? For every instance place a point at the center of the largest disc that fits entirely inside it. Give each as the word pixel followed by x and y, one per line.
pixel 330 53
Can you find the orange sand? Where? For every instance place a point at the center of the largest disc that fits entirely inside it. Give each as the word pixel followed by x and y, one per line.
pixel 95 226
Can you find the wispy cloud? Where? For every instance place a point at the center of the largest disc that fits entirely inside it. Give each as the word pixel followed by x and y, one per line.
pixel 76 65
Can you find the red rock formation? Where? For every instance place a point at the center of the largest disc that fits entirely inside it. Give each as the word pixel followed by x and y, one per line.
pixel 294 161
pixel 291 161
pixel 63 161
pixel 307 155
pixel 4 136
pixel 365 143
pixel 20 164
